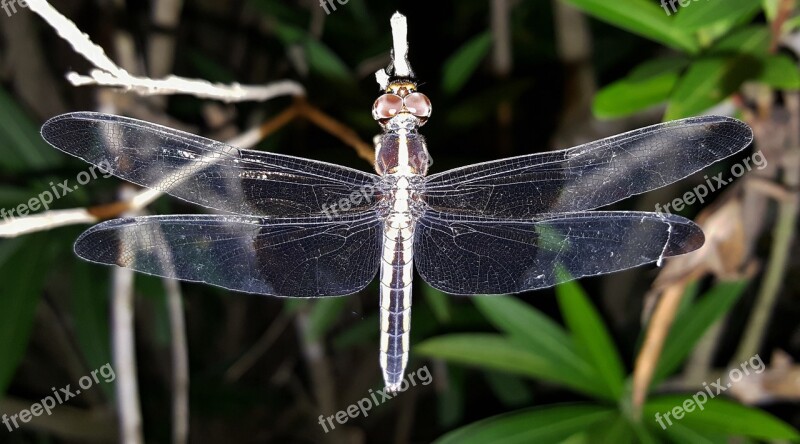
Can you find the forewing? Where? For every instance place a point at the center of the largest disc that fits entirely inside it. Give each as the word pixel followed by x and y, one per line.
pixel 308 257
pixel 588 176
pixel 207 172
pixel 467 255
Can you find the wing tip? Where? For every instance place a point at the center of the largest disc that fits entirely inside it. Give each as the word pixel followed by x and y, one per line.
pixel 738 127
pixel 86 245
pixel 685 237
pixel 51 128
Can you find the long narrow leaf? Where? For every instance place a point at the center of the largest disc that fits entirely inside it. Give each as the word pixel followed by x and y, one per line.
pixel 461 65
pixel 90 311
pixel 21 268
pixel 21 148
pixel 438 302
pixel 641 17
pixel 540 425
pixel 690 326
pixel 649 84
pixel 495 352
pixel 717 415
pixel 679 433
pixel 780 72
pixel 714 78
pixel 323 315
pixel 708 13
pixel 537 332
pixel 592 337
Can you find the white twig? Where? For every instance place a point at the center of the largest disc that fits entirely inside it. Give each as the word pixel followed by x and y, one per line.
pixel 45 221
pixel 180 361
pixel 400 66
pixel 400 43
pixel 382 78
pixel 107 73
pixel 124 355
pixel 48 220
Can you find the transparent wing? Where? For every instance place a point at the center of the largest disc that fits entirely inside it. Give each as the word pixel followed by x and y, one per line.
pixel 282 257
pixel 467 255
pixel 207 172
pixel 588 176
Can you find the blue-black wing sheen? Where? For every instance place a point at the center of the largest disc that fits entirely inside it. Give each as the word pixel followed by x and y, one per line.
pixel 471 255
pixel 272 256
pixel 587 176
pixel 207 172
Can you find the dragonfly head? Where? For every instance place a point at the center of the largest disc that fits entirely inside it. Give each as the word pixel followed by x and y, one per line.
pixel 401 106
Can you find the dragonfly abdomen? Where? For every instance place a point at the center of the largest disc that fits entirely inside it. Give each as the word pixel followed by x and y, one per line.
pixel 397 265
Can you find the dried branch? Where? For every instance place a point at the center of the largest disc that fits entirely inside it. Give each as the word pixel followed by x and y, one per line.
pixel 107 73
pixel 124 356
pixel 650 352
pixel 400 66
pixel 788 214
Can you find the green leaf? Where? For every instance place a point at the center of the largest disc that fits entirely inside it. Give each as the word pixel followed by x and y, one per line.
pixel 450 403
pixel 438 302
pixel 496 352
pixel 780 72
pixel 89 298
pixel 12 196
pixel 614 430
pixel 592 338
pixel 536 332
pixel 510 389
pixel 791 24
pixel 539 425
pixel 717 415
pixel 690 325
pixel 22 148
pixel 647 85
pixel 326 63
pixel 641 17
pixel 751 40
pixel 278 9
pixel 712 79
pixel 680 434
pixel 770 8
pixel 463 63
pixel 705 14
pixel 324 313
pixel 321 59
pixel 22 263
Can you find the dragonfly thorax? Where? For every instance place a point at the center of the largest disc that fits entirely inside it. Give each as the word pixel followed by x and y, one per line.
pixel 401 110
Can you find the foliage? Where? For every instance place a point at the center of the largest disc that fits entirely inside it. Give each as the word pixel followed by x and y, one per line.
pixel 720 51
pixel 712 52
pixel 583 358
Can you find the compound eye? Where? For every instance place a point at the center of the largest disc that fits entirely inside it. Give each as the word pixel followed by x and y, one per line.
pixel 387 106
pixel 418 104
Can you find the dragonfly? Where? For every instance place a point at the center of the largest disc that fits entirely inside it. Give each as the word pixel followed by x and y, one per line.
pixel 292 227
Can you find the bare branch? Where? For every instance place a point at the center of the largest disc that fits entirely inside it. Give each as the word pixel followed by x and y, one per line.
pixel 400 66
pixel 107 73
